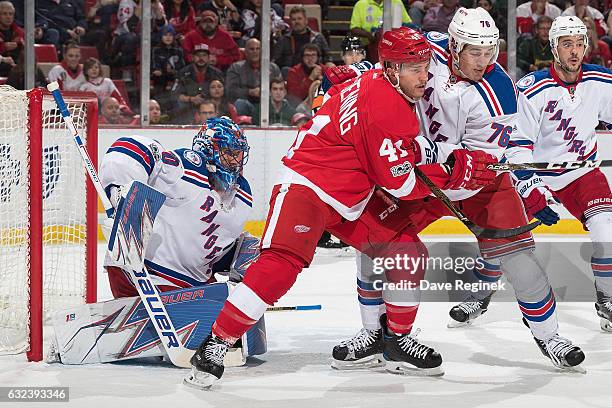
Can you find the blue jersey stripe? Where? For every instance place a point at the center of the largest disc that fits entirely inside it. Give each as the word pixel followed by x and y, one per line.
pixel 142 147
pixel 598 79
pixel 174 274
pixel 196 182
pixel 244 200
pixel 485 97
pixel 531 95
pixel 134 156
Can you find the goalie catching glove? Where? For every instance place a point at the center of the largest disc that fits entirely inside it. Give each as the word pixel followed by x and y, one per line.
pixel 538 199
pixel 468 169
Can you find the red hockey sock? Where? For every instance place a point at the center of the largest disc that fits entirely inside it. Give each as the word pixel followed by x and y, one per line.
pixel 231 323
pixel 400 318
pixel 269 278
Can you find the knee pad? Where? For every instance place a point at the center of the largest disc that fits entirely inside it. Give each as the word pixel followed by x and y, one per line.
pixel 600 227
pixel 524 272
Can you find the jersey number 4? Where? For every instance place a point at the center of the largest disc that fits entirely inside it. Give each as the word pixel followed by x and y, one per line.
pixel 388 148
pixel 501 131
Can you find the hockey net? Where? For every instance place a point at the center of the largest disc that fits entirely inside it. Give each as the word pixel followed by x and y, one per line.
pixel 48 226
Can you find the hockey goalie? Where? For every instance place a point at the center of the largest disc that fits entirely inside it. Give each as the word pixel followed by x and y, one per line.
pixel 197 233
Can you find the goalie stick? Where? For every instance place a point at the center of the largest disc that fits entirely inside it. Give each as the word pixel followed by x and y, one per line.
pixel 477 230
pixel 570 165
pixel 177 353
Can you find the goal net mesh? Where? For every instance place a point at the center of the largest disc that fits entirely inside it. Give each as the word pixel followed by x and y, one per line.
pixel 64 214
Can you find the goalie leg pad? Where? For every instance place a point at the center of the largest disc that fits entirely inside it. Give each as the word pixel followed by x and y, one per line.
pixel 120 329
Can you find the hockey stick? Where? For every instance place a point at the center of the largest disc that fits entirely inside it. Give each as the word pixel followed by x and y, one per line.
pixel 477 230
pixel 571 165
pixel 292 308
pixel 177 353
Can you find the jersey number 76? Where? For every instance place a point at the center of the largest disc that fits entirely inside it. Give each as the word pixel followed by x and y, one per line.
pixel 501 131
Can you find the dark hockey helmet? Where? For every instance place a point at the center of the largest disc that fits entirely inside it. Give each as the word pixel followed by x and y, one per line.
pixel 351 43
pixel 226 149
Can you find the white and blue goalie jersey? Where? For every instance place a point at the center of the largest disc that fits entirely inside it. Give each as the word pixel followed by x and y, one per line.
pixel 192 230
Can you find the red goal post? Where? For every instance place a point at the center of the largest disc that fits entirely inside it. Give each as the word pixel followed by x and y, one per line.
pixel 48 214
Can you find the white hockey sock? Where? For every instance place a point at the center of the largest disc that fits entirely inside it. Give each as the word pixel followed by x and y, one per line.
pixel 600 229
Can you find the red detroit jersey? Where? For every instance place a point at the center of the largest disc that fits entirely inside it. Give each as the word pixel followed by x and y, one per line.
pixel 361 137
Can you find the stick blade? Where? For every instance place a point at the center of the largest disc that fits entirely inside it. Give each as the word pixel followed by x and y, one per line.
pixel 501 233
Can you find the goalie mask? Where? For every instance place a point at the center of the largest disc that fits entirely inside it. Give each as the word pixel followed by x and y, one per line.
pixel 227 151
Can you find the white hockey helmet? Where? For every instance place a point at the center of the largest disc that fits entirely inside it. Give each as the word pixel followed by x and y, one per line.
pixel 563 26
pixel 474 27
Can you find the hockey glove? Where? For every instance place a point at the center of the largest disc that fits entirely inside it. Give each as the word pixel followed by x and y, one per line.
pixel 538 199
pixel 340 74
pixel 115 193
pixel 468 169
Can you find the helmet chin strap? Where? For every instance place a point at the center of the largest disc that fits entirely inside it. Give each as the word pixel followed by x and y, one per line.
pixel 555 52
pixel 455 56
pixel 456 65
pixel 561 64
pixel 397 86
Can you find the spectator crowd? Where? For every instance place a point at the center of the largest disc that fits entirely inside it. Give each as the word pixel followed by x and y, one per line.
pixel 206 54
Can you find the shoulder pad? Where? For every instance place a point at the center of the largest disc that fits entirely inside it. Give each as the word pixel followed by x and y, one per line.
pixel 192 160
pixel 440 39
pixel 532 78
pixel 498 92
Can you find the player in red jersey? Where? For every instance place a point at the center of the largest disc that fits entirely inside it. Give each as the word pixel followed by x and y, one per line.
pixel 466 120
pixel 353 144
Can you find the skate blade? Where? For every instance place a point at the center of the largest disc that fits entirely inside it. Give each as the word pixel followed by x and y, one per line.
pixel 199 380
pixel 362 364
pixel 605 325
pixel 454 324
pixel 578 369
pixel 398 367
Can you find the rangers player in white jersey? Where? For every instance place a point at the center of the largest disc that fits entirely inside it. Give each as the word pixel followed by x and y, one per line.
pixel 470 102
pixel 559 110
pixel 197 232
pixel 207 202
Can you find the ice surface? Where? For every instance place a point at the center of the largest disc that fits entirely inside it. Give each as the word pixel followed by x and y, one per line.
pixel 494 363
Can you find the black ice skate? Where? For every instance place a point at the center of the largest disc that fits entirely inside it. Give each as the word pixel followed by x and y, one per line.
pixel 604 311
pixel 467 311
pixel 363 350
pixel 562 353
pixel 405 355
pixel 327 241
pixel 207 363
